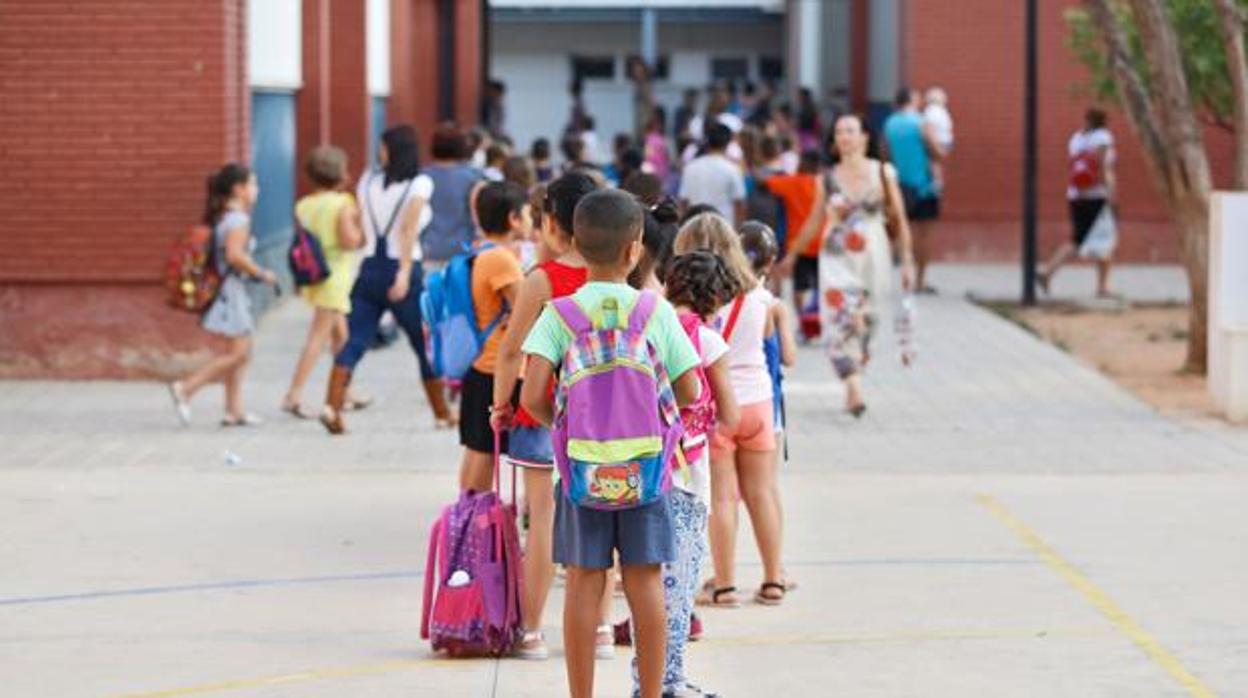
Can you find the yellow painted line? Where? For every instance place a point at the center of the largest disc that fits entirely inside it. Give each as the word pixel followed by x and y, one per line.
pixel 1098 598
pixel 298 677
pixel 900 636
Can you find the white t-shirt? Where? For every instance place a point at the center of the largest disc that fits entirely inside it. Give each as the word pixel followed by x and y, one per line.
pixel 713 179
pixel 712 349
pixel 1091 140
pixel 379 202
pixel 747 364
pixel 938 117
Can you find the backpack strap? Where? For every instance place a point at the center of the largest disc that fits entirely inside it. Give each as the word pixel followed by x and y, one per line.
pixel 572 315
pixel 380 232
pixel 733 316
pixel 642 311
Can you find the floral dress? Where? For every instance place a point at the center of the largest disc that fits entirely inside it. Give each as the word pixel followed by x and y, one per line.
pixel 855 273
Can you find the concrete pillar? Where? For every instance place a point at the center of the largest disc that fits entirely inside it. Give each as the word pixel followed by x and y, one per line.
pixel 649 36
pixel 1228 304
pixel 804 46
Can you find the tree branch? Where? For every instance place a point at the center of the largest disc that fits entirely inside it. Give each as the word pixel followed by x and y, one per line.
pixel 1231 27
pixel 1132 92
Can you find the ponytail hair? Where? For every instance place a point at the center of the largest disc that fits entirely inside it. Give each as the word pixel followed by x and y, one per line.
pixel 221 187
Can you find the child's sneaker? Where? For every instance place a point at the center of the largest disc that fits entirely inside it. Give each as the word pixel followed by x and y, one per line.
pixel 695 627
pixel 604 643
pixel 689 691
pixel 623 633
pixel 532 646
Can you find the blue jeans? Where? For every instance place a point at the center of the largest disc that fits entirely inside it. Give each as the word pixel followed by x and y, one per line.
pixel 369 302
pixel 680 585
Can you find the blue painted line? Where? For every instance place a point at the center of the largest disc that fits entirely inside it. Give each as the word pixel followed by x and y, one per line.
pixel 419 574
pixel 211 586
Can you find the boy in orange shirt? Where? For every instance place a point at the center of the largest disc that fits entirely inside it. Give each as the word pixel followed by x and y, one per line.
pixel 797 193
pixel 503 213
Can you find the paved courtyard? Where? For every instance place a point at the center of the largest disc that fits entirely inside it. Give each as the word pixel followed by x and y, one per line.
pixel 1003 522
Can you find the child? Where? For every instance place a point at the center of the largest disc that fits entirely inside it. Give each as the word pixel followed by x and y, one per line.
pixel 743 458
pixel 329 214
pixel 608 227
pixel 232 193
pixel 780 348
pixel 495 160
pixel 660 231
pixel 797 193
pixel 939 121
pixel 540 154
pixel 529 442
pixel 698 285
pixel 503 213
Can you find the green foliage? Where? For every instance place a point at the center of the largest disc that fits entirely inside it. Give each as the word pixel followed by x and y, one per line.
pixel 1204 58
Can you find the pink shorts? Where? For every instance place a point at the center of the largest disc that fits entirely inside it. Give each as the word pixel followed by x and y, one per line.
pixel 755 432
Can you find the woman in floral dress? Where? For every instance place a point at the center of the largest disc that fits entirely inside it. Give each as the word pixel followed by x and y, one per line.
pixel 856 256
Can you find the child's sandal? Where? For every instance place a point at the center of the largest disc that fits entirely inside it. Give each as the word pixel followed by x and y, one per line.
pixel 721 597
pixel 761 596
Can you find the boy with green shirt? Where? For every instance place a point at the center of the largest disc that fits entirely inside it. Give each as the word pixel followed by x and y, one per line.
pixel 607 228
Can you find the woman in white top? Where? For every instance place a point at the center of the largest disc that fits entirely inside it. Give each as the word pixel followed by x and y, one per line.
pixel 743 458
pixel 394 203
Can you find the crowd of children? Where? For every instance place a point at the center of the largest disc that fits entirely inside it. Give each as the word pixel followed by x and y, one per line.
pixel 592 293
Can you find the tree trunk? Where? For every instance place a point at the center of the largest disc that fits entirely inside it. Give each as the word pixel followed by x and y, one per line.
pixel 1161 114
pixel 1193 223
pixel 1231 26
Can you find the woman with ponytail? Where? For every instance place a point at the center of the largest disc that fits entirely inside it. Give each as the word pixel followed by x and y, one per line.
pixel 232 193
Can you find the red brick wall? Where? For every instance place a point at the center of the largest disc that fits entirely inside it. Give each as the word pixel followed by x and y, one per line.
pixel 414 66
pixel 111 116
pixel 333 106
pixel 974 49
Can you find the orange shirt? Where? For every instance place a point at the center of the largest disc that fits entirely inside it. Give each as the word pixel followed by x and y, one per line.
pixel 492 271
pixel 797 193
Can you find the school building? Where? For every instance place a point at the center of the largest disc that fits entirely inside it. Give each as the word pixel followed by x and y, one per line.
pixel 113 112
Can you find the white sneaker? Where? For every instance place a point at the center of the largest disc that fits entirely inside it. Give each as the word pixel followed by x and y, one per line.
pixel 532 646
pixel 604 643
pixel 180 406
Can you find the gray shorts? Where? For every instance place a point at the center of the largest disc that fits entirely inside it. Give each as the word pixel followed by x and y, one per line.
pixel 588 537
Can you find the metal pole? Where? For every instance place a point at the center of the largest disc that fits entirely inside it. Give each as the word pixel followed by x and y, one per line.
pixel 1029 159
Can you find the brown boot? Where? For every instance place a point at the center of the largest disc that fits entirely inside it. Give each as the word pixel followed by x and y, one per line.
pixel 435 392
pixel 335 400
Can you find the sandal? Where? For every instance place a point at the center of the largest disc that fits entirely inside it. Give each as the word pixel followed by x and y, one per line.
pixel 763 598
pixel 332 420
pixel 243 420
pixel 719 597
pixel 295 410
pixel 356 403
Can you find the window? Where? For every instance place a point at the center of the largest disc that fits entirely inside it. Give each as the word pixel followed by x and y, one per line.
pixel 770 68
pixel 593 68
pixel 730 68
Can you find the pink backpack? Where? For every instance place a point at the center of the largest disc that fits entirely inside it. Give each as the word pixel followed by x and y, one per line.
pixel 699 416
pixel 473 574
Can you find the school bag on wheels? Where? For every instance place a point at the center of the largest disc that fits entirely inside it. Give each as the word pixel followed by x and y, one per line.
pixel 446 306
pixel 473 574
pixel 617 427
pixel 191 276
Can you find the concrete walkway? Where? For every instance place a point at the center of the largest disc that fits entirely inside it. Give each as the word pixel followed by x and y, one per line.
pixel 1003 522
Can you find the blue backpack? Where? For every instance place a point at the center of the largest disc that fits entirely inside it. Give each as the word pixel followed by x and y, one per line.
pixel 446 304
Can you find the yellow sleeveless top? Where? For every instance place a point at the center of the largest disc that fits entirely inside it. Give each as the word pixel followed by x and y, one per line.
pixel 319 214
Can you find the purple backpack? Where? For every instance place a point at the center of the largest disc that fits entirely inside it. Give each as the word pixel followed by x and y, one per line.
pixel 617 427
pixel 473 575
